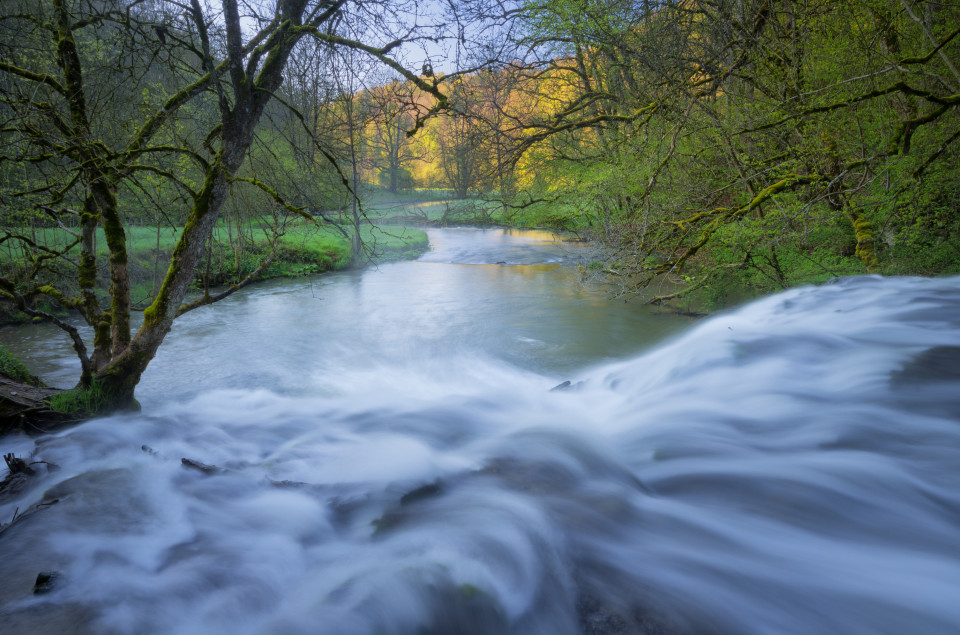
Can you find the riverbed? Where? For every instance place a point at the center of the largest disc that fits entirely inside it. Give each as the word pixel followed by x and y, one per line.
pixel 383 453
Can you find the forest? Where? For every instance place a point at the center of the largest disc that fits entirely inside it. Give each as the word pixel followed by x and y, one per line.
pixel 479 317
pixel 158 156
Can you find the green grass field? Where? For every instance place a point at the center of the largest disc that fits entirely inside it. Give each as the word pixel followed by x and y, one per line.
pixel 302 249
pixel 320 241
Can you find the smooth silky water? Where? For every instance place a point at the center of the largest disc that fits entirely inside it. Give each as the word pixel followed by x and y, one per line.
pixel 393 461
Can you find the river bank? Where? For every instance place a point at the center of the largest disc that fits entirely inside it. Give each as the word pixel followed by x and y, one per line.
pixel 301 249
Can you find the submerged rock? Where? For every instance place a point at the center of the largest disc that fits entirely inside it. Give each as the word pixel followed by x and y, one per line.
pixel 598 618
pixel 426 491
pixel 46 581
pixel 201 467
pixel 567 386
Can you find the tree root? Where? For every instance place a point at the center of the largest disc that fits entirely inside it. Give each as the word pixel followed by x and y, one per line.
pixel 18 478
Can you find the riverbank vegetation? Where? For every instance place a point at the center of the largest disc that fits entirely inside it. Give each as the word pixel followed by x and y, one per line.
pixel 727 149
pixel 13 367
pixel 234 253
pixel 735 148
pixel 743 147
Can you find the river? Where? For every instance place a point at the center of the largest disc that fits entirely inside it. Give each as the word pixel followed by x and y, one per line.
pixel 390 459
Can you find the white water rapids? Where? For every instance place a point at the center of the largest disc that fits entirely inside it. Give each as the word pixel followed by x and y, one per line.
pixel 789 467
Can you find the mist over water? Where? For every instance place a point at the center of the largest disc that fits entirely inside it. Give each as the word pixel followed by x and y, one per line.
pixel 393 461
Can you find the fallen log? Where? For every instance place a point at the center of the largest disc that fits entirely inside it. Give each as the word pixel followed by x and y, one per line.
pixel 25 408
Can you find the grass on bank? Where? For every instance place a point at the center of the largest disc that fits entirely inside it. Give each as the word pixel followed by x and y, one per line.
pixel 323 240
pixel 302 249
pixel 11 366
pixel 79 402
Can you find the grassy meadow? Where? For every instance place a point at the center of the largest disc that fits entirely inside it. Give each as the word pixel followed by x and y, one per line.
pixel 296 248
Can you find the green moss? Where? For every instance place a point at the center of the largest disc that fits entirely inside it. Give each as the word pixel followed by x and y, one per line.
pixel 87 273
pixel 12 367
pixel 102 332
pixel 863 231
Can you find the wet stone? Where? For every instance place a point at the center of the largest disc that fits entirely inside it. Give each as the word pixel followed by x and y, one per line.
pixel 46 581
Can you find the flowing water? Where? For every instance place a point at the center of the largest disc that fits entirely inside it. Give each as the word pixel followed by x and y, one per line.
pixel 391 460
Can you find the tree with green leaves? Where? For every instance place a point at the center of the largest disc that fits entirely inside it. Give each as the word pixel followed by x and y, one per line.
pixel 96 95
pixel 749 142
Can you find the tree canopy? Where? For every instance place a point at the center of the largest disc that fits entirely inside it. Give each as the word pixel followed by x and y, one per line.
pixel 766 142
pixel 109 104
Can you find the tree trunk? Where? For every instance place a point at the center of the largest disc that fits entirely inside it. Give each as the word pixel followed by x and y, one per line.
pixel 120 377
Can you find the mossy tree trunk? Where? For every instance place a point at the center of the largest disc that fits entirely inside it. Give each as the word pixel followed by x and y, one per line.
pixel 252 88
pixel 65 131
pixel 863 231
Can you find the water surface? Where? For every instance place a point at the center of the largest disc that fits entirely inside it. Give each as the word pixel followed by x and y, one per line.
pixel 399 465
